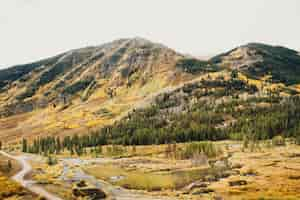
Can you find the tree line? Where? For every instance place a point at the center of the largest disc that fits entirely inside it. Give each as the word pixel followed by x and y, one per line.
pixel 76 144
pixel 274 116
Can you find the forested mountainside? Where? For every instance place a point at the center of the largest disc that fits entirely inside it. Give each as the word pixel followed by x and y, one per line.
pixel 133 91
pixel 225 106
pixel 85 88
pixel 209 110
pixel 278 64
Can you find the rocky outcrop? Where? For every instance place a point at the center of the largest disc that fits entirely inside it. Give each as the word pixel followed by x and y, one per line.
pixel 84 190
pixel 237 183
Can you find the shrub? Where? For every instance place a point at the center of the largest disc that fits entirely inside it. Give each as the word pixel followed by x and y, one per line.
pixel 254 146
pixel 41 198
pixel 298 140
pixel 115 150
pixel 278 141
pixel 51 161
pixel 201 148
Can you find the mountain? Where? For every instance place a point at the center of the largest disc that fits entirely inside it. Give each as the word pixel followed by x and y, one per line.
pixel 82 72
pixel 259 60
pixel 83 89
pixel 86 87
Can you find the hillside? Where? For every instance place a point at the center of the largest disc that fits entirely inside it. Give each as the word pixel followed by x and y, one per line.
pixel 280 64
pixel 85 89
pixel 214 108
pixel 79 73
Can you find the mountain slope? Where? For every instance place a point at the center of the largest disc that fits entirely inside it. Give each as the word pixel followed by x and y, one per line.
pixel 259 60
pixel 87 87
pixel 83 89
pixel 80 72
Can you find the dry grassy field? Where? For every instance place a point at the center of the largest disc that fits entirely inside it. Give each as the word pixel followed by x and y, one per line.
pixel 264 172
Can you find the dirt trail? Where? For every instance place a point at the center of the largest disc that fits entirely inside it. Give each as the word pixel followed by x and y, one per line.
pixel 115 193
pixel 29 184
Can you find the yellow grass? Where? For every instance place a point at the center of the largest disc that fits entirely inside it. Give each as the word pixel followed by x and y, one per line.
pixel 257 83
pixel 49 175
pixel 133 179
pixel 9 188
pixel 13 191
pixel 278 174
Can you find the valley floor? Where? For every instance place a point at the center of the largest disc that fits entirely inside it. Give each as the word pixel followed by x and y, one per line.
pixel 151 172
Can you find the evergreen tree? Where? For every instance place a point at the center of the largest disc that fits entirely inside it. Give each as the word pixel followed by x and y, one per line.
pixel 9 165
pixel 234 74
pixel 24 145
pixel 58 146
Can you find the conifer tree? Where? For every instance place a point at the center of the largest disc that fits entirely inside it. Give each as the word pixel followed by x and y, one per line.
pixel 24 145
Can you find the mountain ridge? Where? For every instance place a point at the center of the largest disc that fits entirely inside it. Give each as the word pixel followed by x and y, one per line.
pixel 85 88
pixel 258 60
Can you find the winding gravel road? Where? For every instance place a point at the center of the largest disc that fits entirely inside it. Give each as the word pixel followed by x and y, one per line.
pixel 29 184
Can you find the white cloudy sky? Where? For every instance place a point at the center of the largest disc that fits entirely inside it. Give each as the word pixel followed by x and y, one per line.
pixel 34 29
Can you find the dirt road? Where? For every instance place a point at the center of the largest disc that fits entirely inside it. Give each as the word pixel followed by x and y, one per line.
pixel 114 193
pixel 29 184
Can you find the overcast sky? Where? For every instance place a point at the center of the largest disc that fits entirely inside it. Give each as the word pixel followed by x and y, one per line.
pixel 35 29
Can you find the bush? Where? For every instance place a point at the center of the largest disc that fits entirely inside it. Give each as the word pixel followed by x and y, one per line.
pixel 51 161
pixel 278 141
pixel 201 148
pixel 41 198
pixel 115 150
pixel 298 140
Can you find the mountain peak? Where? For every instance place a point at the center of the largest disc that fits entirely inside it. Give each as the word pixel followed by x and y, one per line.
pixel 81 73
pixel 258 60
